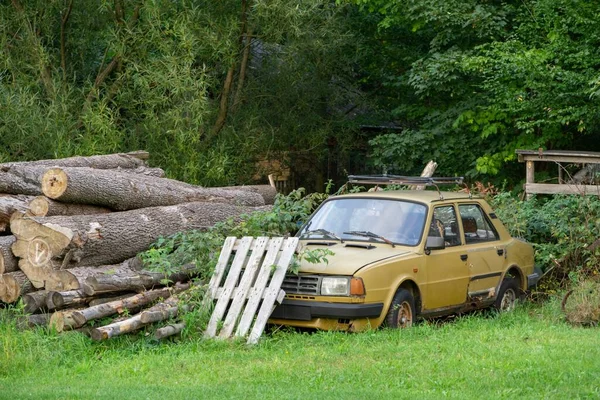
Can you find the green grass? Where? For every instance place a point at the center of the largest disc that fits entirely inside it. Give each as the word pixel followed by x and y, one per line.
pixel 529 353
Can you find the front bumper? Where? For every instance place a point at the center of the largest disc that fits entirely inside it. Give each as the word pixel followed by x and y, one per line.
pixel 300 310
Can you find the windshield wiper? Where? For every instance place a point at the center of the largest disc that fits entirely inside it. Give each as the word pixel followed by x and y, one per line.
pixel 323 232
pixel 370 234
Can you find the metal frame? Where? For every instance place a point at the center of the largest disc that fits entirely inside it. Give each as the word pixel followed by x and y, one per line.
pixel 419 181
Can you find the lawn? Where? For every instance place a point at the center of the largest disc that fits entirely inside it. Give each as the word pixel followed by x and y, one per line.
pixel 529 353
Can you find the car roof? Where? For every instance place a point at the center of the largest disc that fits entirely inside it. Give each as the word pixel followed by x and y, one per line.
pixel 423 196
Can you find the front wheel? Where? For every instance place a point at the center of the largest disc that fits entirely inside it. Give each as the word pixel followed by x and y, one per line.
pixel 402 310
pixel 507 296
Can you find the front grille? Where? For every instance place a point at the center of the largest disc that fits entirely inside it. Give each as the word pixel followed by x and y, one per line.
pixel 301 284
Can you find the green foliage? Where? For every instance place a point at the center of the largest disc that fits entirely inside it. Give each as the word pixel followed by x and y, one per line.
pixel 471 81
pixel 563 230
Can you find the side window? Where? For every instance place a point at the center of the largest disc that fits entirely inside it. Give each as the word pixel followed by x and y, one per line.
pixel 444 224
pixel 476 225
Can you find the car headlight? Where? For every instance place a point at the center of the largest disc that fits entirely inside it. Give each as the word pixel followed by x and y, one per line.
pixel 335 286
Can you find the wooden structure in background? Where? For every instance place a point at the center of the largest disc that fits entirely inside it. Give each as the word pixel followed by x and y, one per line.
pixel 560 157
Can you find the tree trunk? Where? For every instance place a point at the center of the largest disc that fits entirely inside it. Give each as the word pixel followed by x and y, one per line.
pixel 45 244
pixel 169 330
pixel 21 179
pixel 133 159
pixel 58 300
pixel 41 206
pixel 81 317
pixel 107 283
pixel 102 300
pixel 267 192
pixel 13 285
pixel 9 204
pixel 427 172
pixel 8 261
pixel 123 191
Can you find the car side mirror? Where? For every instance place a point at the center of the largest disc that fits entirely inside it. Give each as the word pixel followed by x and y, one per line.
pixel 435 243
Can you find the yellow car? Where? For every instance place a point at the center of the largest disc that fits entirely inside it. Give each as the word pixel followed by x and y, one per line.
pixel 402 255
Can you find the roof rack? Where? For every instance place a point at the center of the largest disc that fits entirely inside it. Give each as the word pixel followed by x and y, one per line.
pixel 408 180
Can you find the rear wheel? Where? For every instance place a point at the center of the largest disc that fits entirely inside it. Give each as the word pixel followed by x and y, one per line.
pixel 507 296
pixel 402 310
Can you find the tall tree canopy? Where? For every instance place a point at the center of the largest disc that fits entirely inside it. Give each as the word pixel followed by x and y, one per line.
pixel 470 81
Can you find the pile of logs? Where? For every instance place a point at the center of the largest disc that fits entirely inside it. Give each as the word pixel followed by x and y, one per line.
pixel 70 230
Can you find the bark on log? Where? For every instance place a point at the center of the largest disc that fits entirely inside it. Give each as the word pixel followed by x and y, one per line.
pixel 109 298
pixel 35 301
pixel 122 191
pixel 107 283
pixel 133 159
pixel 13 285
pixel 9 204
pixel 63 321
pixel 58 300
pixel 267 192
pixel 45 244
pixel 74 278
pixel 41 206
pixel 169 330
pixel 32 321
pixel 132 324
pixel 21 179
pixel 8 261
pixel 117 307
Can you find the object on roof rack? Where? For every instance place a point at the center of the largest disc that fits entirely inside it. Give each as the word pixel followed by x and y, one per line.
pixel 405 180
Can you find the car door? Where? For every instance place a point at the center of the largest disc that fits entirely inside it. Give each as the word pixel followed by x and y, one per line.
pixel 447 271
pixel 486 254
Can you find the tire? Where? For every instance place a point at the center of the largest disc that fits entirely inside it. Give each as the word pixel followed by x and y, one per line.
pixel 507 296
pixel 402 310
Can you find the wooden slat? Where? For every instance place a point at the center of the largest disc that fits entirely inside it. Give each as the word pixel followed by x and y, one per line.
pixel 239 298
pixel 549 188
pixel 215 280
pixel 230 281
pixel 256 293
pixel 273 291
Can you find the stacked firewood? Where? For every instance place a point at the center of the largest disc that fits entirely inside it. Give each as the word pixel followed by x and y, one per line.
pixel 70 230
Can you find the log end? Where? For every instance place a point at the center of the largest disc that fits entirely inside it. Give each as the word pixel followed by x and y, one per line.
pixel 10 290
pixel 99 334
pixel 54 183
pixel 39 206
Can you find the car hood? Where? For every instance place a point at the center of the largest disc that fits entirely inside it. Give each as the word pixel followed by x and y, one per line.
pixel 349 257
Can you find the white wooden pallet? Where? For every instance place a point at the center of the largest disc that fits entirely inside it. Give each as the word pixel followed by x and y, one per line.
pixel 262 263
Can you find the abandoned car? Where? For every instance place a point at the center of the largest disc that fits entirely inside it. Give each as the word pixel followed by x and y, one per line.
pixel 400 255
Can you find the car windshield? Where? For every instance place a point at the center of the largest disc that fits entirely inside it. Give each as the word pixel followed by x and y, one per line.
pixel 400 222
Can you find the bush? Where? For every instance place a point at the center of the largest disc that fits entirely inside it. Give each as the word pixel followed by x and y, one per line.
pixel 582 304
pixel 563 229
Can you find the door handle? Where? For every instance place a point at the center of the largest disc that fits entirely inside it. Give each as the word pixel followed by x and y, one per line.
pixel 500 252
pixel 464 257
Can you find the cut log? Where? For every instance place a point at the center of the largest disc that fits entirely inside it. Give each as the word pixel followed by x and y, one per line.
pixel 169 330
pixel 35 301
pixel 160 314
pixel 63 321
pixel 21 179
pixel 117 307
pixel 45 244
pixel 74 278
pixel 58 300
pixel 9 204
pixel 41 206
pixel 136 322
pixel 267 192
pixel 13 285
pixel 133 159
pixel 8 261
pixel 107 283
pixel 122 191
pixel 32 321
pixel 108 299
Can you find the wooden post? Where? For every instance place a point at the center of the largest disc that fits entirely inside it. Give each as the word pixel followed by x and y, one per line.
pixel 560 174
pixel 529 176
